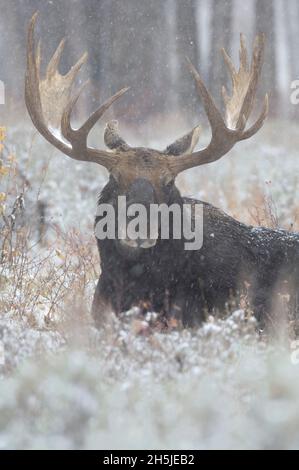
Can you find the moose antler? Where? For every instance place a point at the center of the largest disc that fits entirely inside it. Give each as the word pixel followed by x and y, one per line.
pixel 50 104
pixel 226 133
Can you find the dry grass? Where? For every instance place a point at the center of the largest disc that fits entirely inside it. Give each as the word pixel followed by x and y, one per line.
pixel 220 386
pixel 38 277
pixel 48 266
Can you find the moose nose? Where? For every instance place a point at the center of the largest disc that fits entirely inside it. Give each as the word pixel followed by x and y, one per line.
pixel 139 243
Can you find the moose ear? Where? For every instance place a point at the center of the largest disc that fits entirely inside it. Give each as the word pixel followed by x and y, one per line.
pixel 112 138
pixel 185 144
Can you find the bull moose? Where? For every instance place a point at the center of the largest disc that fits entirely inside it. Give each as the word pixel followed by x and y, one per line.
pixel 160 272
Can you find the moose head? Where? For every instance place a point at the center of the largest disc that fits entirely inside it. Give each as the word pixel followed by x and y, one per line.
pixel 143 175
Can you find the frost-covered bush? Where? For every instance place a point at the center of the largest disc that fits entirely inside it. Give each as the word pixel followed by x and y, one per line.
pixel 217 387
pixel 136 384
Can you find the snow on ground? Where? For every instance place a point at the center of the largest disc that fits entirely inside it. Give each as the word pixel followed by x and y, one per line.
pixel 218 387
pixel 65 385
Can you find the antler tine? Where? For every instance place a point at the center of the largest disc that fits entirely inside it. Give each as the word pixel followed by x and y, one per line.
pixel 256 67
pixel 98 113
pixel 230 65
pixel 259 122
pixel 244 67
pixel 73 72
pixel 52 67
pixel 213 114
pixel 49 101
pixel 243 53
pixel 244 83
pixel 38 57
pixel 32 90
pixel 33 65
pixel 82 133
pixel 238 108
pixel 66 129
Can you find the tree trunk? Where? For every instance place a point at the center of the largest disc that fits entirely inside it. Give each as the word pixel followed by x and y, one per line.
pixel 220 37
pixel 187 46
pixel 265 23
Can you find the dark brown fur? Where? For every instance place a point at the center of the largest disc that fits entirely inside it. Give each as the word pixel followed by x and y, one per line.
pixel 183 283
pixel 171 279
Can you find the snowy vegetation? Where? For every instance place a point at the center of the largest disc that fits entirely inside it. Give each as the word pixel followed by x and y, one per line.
pixel 134 385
